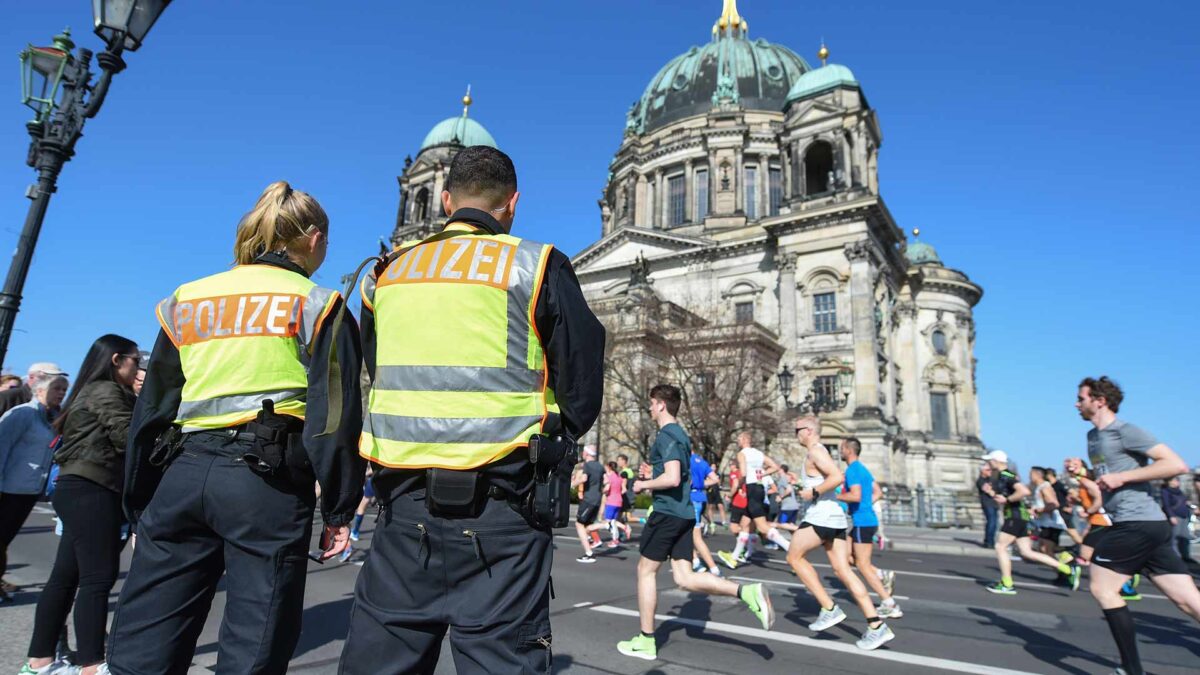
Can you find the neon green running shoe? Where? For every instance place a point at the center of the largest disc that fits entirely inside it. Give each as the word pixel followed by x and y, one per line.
pixel 727 558
pixel 640 647
pixel 759 601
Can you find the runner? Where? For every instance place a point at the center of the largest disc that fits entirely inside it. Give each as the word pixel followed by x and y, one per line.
pixel 614 489
pixel 590 482
pixel 824 525
pixel 670 529
pixel 628 475
pixel 1045 512
pixel 715 501
pixel 1096 521
pixel 1126 460
pixel 859 493
pixel 1008 491
pixel 755 466
pixel 1067 500
pixel 703 477
pixel 737 509
pixel 789 506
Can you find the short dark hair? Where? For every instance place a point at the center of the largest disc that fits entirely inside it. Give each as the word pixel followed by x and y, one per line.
pixel 853 442
pixel 1050 473
pixel 784 468
pixel 1104 388
pixel 483 172
pixel 623 456
pixel 668 394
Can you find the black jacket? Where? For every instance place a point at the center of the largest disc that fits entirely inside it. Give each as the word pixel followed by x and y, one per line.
pixel 573 340
pixel 11 398
pixel 338 466
pixel 94 434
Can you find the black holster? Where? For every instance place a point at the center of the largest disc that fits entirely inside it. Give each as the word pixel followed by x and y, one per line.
pixel 274 447
pixel 553 459
pixel 166 448
pixel 454 494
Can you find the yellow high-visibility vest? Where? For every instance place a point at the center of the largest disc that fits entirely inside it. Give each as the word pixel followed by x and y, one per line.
pixel 460 378
pixel 244 336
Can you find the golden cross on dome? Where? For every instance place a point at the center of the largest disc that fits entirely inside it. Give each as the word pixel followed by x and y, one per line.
pixel 730 20
pixel 467 100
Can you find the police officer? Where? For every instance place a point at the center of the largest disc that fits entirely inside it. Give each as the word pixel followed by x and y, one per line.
pixel 244 400
pixel 475 340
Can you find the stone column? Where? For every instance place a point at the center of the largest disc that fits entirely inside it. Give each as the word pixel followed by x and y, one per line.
pixel 787 303
pixel 739 181
pixel 764 185
pixel 640 212
pixel 860 156
pixel 689 192
pixel 785 164
pixel 863 257
pixel 435 198
pixel 661 199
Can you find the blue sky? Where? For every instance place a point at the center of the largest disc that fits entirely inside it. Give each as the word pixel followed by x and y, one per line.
pixel 1047 149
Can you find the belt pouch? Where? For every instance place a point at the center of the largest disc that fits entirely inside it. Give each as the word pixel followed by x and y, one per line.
pixel 452 493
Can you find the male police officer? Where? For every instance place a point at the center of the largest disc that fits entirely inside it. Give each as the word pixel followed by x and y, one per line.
pixel 475 341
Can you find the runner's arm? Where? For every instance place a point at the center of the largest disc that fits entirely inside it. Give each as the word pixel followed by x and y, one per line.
pixel 741 463
pixel 853 495
pixel 1050 502
pixel 711 479
pixel 668 479
pixel 825 464
pixel 769 466
pixel 1166 465
pixel 1020 491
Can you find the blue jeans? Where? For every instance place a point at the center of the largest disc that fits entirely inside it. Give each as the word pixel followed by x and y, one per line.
pixel 991 515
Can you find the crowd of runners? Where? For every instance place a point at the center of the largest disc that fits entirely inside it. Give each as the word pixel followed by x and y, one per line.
pixel 1116 529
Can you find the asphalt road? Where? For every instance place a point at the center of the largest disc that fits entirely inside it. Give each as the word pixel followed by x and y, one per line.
pixel 951 623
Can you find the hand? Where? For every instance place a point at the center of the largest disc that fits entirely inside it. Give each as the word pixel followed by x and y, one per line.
pixel 999 500
pixel 987 489
pixel 637 486
pixel 806 494
pixel 1174 520
pixel 1111 481
pixel 644 470
pixel 334 540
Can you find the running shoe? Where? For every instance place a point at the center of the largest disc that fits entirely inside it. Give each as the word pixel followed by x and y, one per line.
pixel 586 559
pixel 1128 592
pixel 7 587
pixel 345 555
pixel 697 565
pixel 759 601
pixel 743 558
pixel 354 535
pixel 827 619
pixel 1001 589
pixel 640 647
pixel 612 544
pixel 715 571
pixel 1137 579
pixel 889 580
pixel 27 670
pixel 891 611
pixel 1076 573
pixel 1065 557
pixel 875 638
pixel 727 558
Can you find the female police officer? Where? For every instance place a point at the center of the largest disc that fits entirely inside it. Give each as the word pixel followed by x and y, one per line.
pixel 243 368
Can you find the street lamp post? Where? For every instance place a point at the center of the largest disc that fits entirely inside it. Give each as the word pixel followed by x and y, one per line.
pixel 816 400
pixel 57 85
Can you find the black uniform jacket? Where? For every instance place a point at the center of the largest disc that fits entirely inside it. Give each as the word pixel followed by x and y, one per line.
pixel 573 340
pixel 335 459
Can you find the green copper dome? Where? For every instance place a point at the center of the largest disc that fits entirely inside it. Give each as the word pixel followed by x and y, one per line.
pixel 461 130
pixel 920 253
pixel 821 80
pixel 732 68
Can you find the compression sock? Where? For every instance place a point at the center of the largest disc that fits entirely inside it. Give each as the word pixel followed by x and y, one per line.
pixel 648 635
pixel 774 535
pixel 743 542
pixel 1007 581
pixel 874 622
pixel 1120 622
pixel 358 518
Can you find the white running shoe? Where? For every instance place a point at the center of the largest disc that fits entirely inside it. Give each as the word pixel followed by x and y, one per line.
pixel 891 611
pixel 827 619
pixel 875 638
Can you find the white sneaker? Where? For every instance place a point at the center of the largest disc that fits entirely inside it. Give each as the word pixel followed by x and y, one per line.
pixel 891 611
pixel 875 638
pixel 828 619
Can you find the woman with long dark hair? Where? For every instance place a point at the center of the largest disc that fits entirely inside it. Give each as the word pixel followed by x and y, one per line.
pixel 94 424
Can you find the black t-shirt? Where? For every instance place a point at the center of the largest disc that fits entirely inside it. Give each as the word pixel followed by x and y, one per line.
pixel 1005 484
pixel 594 471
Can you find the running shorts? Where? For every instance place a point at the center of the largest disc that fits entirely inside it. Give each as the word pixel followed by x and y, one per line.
pixel 698 512
pixel 714 494
pixel 611 511
pixel 755 506
pixel 586 515
pixel 1051 534
pixel 863 535
pixel 826 534
pixel 1017 527
pixel 666 536
pixel 736 513
pixel 788 515
pixel 1139 546
pixel 1094 535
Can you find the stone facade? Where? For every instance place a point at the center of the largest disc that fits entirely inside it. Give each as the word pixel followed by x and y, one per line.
pixel 768 213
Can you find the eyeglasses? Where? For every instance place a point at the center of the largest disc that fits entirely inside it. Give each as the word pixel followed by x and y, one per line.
pixel 500 210
pixel 135 357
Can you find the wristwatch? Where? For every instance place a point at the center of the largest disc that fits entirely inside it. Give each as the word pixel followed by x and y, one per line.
pixel 816 494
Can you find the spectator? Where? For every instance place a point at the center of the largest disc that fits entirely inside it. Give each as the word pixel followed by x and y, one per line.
pixel 1175 505
pixel 789 506
pixel 990 510
pixel 25 453
pixel 9 381
pixel 15 396
pixel 94 424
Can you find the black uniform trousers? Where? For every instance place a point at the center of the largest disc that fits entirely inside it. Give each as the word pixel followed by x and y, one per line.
pixel 212 514
pixel 485 579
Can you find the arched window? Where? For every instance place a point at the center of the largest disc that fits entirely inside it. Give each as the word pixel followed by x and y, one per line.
pixel 818 166
pixel 938 337
pixel 421 206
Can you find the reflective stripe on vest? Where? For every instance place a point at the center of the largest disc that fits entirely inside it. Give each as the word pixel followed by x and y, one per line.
pixel 244 336
pixel 460 379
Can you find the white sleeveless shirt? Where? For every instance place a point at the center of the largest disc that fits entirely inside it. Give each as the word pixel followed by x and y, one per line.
pixel 826 512
pixel 754 466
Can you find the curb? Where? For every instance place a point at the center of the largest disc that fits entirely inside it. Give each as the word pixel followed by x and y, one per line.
pixel 944 549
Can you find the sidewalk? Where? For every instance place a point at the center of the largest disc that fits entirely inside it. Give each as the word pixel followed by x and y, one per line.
pixel 949 541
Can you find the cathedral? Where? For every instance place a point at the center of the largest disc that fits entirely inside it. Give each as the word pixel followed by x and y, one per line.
pixel 746 253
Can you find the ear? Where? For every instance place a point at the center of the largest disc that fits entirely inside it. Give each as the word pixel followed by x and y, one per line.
pixel 116 359
pixel 512 203
pixel 446 203
pixel 315 241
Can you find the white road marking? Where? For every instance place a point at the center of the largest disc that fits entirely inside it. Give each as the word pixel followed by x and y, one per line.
pixel 583 604
pixel 794 585
pixel 828 645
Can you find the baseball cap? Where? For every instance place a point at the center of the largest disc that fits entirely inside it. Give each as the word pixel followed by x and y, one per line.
pixel 998 455
pixel 589 451
pixel 47 368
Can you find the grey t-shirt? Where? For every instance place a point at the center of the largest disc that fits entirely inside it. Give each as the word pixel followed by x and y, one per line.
pixel 1118 447
pixel 594 471
pixel 788 503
